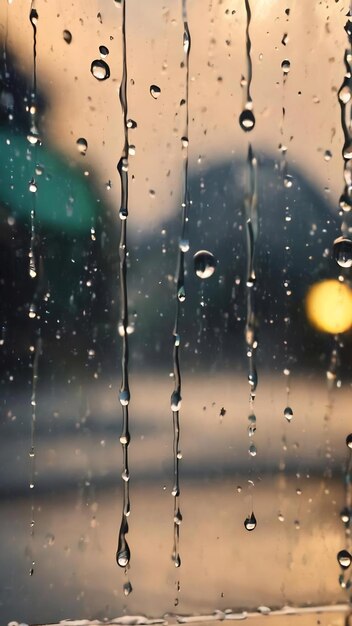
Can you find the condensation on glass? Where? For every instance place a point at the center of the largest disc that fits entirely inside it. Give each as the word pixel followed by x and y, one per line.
pixel 176 311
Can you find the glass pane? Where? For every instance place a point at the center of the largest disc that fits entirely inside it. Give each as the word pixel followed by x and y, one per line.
pixel 230 137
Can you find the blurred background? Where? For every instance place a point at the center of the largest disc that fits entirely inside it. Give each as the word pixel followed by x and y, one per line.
pixel 295 484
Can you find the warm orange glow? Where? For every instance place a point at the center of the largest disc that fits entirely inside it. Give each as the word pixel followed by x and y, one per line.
pixel 329 306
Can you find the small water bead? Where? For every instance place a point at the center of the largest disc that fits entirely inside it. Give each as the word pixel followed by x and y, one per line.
pixel 344 558
pixel 247 120
pixel 131 124
pixel 342 252
pixel 285 66
pixel 155 91
pixel 345 515
pixel 288 413
pixel 123 558
pixel 67 36
pixel 181 294
pixel 252 450
pixel 32 311
pixel 177 560
pixel 175 401
pixel 349 441
pixel 82 145
pixel 347 152
pixel 32 187
pixel 100 69
pixel 104 51
pixel 124 397
pixel 178 517
pixel 345 94
pixel 288 181
pixel 345 203
pixel 327 155
pixel 250 522
pixel 204 264
pixel 127 588
pixel 184 245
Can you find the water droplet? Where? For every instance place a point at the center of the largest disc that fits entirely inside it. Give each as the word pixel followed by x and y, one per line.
pixel 250 522
pixel 127 588
pixel 181 294
pixel 100 69
pixel 288 413
pixel 131 124
pixel 345 94
pixel 288 181
pixel 327 155
pixel 104 51
pixel 122 558
pixel 82 145
pixel 32 311
pixel 349 441
pixel 178 517
pixel 184 245
pixel 155 91
pixel 285 66
pixel 204 264
pixel 32 186
pixel 342 251
pixel 252 450
pixel 247 120
pixel 175 401
pixel 67 36
pixel 345 515
pixel 344 558
pixel 280 517
pixel 124 397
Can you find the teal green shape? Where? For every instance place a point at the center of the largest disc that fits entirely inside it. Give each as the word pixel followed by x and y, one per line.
pixel 64 201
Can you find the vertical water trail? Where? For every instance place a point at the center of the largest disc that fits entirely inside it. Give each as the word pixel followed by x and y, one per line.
pixel 36 349
pixel 247 123
pixel 342 252
pixel 123 551
pixel 287 183
pixel 180 298
pixel 33 138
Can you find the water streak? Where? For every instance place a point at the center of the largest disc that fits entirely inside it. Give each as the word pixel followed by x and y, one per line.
pixel 180 298
pixel 123 553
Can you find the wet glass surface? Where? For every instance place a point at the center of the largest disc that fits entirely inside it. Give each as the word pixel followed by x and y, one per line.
pixel 179 209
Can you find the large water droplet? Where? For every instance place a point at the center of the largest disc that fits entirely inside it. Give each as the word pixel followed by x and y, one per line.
pixel 344 558
pixel 204 264
pixel 155 91
pixel 285 66
pixel 349 441
pixel 127 588
pixel 250 522
pixel 82 145
pixel 247 120
pixel 123 558
pixel 100 69
pixel 124 397
pixel 342 252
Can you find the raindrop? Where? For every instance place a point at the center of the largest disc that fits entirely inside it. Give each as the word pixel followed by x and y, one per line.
pixel 124 397
pixel 104 51
pixel 184 245
pixel 288 413
pixel 349 441
pixel 100 69
pixel 204 264
pixel 342 251
pixel 32 186
pixel 285 66
pixel 250 522
pixel 344 558
pixel 155 91
pixel 247 120
pixel 252 450
pixel 127 588
pixel 82 145
pixel 345 515
pixel 67 36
